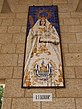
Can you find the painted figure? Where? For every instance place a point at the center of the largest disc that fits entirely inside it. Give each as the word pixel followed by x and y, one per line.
pixel 43 66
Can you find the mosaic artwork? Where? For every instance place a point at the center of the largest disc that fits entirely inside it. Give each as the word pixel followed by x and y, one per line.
pixel 42 59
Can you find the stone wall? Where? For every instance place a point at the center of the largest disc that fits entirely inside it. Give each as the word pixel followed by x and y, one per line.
pixel 12 41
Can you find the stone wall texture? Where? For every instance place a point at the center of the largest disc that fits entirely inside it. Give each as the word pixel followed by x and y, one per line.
pixel 12 41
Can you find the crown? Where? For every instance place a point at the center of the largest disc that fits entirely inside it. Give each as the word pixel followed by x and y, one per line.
pixel 43 68
pixel 42 18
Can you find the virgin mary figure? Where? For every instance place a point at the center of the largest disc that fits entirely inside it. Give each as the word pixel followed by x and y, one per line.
pixel 43 66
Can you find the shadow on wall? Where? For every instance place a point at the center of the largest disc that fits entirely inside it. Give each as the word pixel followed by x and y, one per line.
pixel 79 7
pixel 5 7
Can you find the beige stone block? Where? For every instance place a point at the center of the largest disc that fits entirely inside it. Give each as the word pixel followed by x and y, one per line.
pixel 76 5
pixel 7 15
pixel 76 14
pixel 5 38
pixel 14 29
pixel 79 37
pixel 64 15
pixel 16 2
pixel 65 7
pixel 21 15
pixel 0 21
pixel 1 2
pixel 71 21
pixel 63 28
pixel 60 1
pixel 20 22
pixel 81 21
pixel 13 88
pixel 8 48
pixel 0 47
pixel 17 72
pixel 75 47
pixel 3 29
pixel 20 59
pixel 64 48
pixel 0 8
pixel 46 2
pixel 73 88
pixel 21 8
pixel 59 103
pixel 78 71
pixel 23 29
pixel 19 38
pixel 61 22
pixel 6 103
pixel 29 2
pixel 68 38
pixel 6 72
pixel 25 103
pixel 75 29
pixel 8 59
pixel 20 48
pixel 70 1
pixel 8 22
pixel 29 92
pixel 73 59
pixel 69 72
pixel 79 103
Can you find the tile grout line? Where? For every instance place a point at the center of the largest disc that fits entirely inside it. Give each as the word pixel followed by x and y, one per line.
pixel 53 97
pixel 41 105
pixel 75 103
pixel 11 103
pixel 75 73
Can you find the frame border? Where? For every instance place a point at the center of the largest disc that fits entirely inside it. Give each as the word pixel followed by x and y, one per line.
pixel 56 87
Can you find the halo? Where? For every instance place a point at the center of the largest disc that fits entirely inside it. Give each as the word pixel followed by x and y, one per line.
pixel 40 13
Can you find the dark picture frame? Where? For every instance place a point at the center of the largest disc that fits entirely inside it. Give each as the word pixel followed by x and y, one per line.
pixel 33 14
